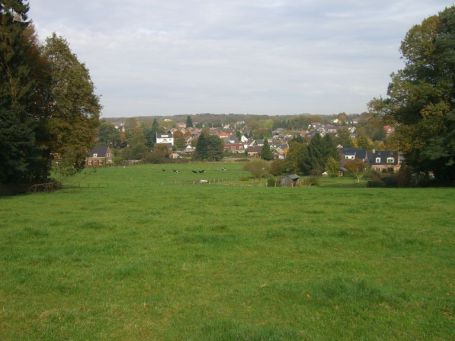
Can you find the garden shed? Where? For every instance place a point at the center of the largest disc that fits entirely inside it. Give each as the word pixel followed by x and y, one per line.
pixel 290 180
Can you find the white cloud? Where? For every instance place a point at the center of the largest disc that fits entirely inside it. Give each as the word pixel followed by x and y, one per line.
pixel 258 56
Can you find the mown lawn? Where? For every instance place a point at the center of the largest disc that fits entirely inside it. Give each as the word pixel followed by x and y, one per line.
pixel 142 253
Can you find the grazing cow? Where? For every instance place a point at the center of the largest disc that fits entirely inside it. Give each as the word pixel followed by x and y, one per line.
pixel 202 171
pixel 194 171
pixel 203 181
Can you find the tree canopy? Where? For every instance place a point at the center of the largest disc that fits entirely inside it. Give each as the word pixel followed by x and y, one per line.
pixel 150 133
pixel 266 152
pixel 47 101
pixel 189 122
pixel 24 99
pixel 421 97
pixel 75 110
pixel 209 147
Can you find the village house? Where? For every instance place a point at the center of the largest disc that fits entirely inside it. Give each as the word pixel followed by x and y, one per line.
pixel 99 156
pixel 167 138
pixel 384 161
pixel 189 149
pixel 235 148
pixel 223 134
pixel 380 161
pixel 280 151
pixel 254 151
pixel 353 154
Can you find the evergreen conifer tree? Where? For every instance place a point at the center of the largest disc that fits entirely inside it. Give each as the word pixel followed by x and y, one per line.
pixel 189 122
pixel 266 152
pixel 201 147
pixel 24 99
pixel 150 133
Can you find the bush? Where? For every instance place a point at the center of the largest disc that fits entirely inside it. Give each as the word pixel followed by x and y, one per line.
pixel 402 179
pixel 310 181
pixel 375 183
pixel 154 157
pixel 332 167
pixel 278 167
pixel 272 182
pixel 118 160
pixel 258 168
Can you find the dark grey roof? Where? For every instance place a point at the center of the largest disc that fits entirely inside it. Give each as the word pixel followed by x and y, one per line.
pixel 101 151
pixel 383 155
pixel 293 177
pixel 165 136
pixel 359 153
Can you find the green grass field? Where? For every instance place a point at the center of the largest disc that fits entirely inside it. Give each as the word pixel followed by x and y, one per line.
pixel 140 253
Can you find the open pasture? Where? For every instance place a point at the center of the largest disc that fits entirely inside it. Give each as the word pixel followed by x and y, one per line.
pixel 144 253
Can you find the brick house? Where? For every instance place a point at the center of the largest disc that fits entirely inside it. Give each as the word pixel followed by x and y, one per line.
pixel 99 156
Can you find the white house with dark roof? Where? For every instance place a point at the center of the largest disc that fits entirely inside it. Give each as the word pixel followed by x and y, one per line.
pixel 380 161
pixel 353 154
pixel 384 160
pixel 167 138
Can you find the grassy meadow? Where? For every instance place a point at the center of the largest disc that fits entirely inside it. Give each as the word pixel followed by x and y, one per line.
pixel 143 253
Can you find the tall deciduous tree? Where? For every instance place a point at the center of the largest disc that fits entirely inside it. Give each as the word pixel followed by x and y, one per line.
pixel 108 134
pixel 76 107
pixel 24 98
pixel 344 137
pixel 136 149
pixel 421 97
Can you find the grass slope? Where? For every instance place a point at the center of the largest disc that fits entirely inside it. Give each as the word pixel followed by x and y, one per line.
pixel 142 253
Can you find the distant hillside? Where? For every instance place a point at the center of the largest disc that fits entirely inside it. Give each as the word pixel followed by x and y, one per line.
pixel 221 119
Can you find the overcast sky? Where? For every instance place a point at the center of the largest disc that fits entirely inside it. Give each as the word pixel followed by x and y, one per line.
pixel 161 57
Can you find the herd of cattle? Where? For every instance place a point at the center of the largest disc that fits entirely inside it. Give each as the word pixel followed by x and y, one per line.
pixel 195 171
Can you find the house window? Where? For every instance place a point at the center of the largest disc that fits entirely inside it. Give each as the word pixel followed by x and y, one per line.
pixel 378 160
pixel 390 160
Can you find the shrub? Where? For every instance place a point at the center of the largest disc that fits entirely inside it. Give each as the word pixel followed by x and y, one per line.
pixel 278 167
pixel 310 181
pixel 272 182
pixel 154 157
pixel 404 177
pixel 258 168
pixel 332 166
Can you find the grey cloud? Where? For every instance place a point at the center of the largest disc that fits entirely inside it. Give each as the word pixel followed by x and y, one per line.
pixel 260 56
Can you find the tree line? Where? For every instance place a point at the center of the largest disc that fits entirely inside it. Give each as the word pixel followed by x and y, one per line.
pixel 48 106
